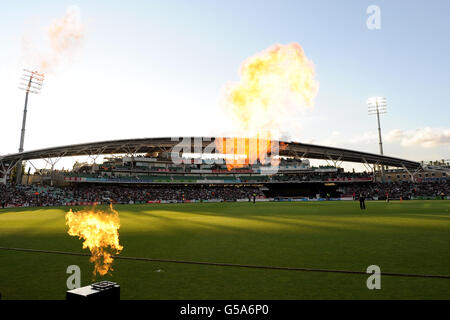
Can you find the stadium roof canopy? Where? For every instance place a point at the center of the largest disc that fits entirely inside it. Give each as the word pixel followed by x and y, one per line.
pixel 150 145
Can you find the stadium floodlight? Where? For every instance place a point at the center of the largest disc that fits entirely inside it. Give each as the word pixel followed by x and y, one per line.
pixel 33 84
pixel 377 105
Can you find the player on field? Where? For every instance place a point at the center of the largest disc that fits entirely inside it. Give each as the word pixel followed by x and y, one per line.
pixel 362 203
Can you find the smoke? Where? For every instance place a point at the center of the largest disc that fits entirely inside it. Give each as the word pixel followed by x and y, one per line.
pixel 61 40
pixel 275 87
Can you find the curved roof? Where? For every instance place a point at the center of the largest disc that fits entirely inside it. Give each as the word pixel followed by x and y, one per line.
pixel 149 145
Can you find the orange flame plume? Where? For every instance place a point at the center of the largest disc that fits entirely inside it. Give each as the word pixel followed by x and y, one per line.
pixel 274 86
pixel 99 229
pixel 242 152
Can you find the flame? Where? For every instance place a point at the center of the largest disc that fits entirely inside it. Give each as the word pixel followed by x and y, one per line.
pixel 275 85
pixel 241 152
pixel 99 229
pixel 63 36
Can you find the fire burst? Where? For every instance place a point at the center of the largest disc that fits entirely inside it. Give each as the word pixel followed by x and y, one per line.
pixel 241 152
pixel 275 85
pixel 99 229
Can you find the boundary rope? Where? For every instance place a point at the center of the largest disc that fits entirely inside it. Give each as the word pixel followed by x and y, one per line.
pixel 220 264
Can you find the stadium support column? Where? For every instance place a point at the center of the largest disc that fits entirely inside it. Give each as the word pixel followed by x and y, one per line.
pixel 52 162
pixel 5 169
pixel 33 84
pixel 411 175
pixel 3 173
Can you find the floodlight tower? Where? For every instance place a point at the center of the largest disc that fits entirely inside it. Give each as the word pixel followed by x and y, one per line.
pixel 378 105
pixel 33 84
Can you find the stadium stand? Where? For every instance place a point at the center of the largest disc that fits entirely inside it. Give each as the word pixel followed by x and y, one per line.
pixel 84 194
pixel 153 176
pixel 33 195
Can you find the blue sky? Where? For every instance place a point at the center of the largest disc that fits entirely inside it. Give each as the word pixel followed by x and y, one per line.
pixel 156 68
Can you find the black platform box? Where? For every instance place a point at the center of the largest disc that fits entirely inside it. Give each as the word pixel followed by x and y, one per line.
pixel 104 290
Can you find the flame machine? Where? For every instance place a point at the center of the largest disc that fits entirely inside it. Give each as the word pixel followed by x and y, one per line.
pixel 104 290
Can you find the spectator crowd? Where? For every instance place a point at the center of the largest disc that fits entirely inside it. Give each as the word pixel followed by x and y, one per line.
pixel 397 190
pixel 11 195
pixel 34 195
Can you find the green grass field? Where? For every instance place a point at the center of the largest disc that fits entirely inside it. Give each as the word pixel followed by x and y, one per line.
pixel 403 237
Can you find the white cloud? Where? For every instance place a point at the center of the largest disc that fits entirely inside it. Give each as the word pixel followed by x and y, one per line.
pixel 424 137
pixel 337 139
pixel 422 144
